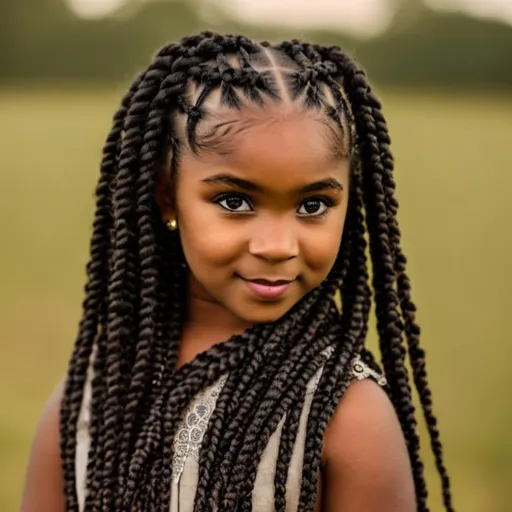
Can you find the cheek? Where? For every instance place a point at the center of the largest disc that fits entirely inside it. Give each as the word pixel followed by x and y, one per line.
pixel 322 245
pixel 206 241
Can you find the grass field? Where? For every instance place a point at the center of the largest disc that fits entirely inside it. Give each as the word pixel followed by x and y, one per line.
pixel 454 182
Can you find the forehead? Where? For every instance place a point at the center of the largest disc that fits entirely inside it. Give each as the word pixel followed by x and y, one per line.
pixel 283 144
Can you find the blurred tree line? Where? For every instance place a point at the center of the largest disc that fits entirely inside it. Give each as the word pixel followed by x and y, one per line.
pixel 43 41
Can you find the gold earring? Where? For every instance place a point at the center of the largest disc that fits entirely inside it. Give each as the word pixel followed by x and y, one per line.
pixel 172 224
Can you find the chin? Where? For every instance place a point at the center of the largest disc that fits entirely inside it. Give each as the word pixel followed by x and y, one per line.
pixel 262 314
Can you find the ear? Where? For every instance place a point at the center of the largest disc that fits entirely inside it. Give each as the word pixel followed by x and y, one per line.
pixel 164 195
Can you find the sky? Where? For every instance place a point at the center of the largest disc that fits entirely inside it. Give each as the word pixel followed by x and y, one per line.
pixel 356 16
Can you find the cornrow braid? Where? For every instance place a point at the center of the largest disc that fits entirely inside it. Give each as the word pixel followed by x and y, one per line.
pixel 134 310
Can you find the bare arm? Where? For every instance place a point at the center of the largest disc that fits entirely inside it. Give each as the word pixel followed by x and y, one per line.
pixel 367 467
pixel 43 491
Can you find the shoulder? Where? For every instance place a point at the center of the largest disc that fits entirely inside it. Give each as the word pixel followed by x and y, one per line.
pixel 366 464
pixel 43 489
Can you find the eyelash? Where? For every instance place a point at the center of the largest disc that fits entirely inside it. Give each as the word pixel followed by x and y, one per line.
pixel 327 202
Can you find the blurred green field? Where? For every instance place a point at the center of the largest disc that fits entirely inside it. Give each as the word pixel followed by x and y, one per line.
pixel 454 181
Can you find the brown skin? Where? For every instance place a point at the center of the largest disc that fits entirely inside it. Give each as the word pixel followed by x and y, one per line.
pixel 270 236
pixel 44 482
pixel 276 232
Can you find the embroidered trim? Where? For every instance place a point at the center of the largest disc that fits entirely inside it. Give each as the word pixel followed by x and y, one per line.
pixel 189 436
pixel 362 371
pixel 313 383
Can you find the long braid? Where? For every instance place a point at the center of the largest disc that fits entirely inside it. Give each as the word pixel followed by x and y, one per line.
pixel 245 471
pixel 251 385
pixel 390 329
pixel 335 368
pixel 96 393
pixel 206 370
pixel 298 387
pixel 390 324
pixel 333 381
pixel 163 92
pixel 138 397
pixel 254 387
pixel 262 378
pixel 288 438
pixel 150 270
pixel 159 70
pixel 122 302
pixel 255 383
pixel 412 330
pixel 287 390
pixel 208 77
pixel 230 445
pixel 94 304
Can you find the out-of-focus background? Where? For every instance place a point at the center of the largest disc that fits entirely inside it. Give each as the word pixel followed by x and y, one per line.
pixel 443 69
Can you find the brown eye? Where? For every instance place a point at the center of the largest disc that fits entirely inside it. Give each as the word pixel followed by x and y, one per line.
pixel 234 203
pixel 313 208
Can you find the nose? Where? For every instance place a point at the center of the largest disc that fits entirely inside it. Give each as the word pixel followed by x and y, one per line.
pixel 274 240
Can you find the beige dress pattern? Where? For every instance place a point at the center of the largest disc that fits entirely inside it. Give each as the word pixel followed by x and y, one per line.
pixel 188 439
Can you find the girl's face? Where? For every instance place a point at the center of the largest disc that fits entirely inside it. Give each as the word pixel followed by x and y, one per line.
pixel 261 217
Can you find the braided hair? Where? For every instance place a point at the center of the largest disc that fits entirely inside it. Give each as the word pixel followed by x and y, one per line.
pixel 133 312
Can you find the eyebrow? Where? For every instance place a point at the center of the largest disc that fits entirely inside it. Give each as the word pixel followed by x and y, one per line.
pixel 228 179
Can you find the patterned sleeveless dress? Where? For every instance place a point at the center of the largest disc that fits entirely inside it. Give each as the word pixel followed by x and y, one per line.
pixel 187 444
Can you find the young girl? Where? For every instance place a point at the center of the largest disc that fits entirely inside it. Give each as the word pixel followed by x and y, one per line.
pixel 220 362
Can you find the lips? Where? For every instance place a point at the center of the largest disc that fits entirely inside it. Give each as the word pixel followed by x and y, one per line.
pixel 269 282
pixel 268 289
